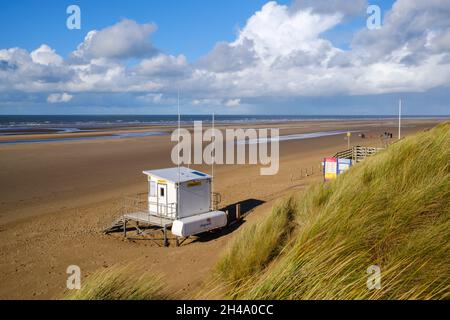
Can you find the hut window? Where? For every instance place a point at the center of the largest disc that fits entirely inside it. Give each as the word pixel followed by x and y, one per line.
pixel 152 189
pixel 161 191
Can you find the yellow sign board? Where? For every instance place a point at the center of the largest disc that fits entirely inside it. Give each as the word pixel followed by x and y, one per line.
pixel 330 168
pixel 194 184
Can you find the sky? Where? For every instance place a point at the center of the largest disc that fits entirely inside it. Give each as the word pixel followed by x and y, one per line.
pixel 312 57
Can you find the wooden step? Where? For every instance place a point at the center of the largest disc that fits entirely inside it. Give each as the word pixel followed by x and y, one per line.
pixel 115 226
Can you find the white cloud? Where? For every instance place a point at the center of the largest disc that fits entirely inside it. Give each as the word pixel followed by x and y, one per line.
pixel 277 31
pixel 293 59
pixel 207 102
pixel 227 57
pixel 125 39
pixel 157 99
pixel 233 102
pixel 163 65
pixel 281 51
pixel 46 56
pixel 19 72
pixel 59 98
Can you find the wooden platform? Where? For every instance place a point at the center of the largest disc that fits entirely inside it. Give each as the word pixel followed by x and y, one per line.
pixel 145 217
pixel 142 218
pixel 357 153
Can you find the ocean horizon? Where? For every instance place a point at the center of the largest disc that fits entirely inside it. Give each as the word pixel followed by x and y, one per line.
pixel 69 123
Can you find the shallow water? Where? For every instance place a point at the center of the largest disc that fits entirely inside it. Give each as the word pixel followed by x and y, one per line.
pixel 297 136
pixel 109 137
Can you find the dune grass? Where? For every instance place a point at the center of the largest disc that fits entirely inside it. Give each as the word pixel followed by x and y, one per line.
pixel 258 245
pixel 121 283
pixel 392 210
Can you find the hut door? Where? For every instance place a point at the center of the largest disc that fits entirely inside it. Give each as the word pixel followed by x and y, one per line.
pixel 162 199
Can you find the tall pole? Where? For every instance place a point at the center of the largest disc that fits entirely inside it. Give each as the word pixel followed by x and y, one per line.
pixel 212 164
pixel 400 119
pixel 348 139
pixel 178 153
pixel 178 146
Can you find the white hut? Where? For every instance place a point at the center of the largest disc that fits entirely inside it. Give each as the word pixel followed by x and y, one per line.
pixel 194 197
pixel 183 195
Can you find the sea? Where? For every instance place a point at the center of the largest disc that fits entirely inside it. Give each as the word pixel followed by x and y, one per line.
pixel 16 125
pixel 70 123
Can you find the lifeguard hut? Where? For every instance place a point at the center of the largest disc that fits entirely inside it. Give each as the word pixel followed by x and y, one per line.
pixel 178 198
pixel 175 193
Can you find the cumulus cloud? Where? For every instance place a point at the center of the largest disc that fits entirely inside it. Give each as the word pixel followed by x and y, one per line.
pixel 20 71
pixel 46 56
pixel 227 57
pixel 126 39
pixel 157 99
pixel 163 65
pixel 277 31
pixel 207 102
pixel 281 51
pixel 59 98
pixel 233 102
pixel 412 29
pixel 293 58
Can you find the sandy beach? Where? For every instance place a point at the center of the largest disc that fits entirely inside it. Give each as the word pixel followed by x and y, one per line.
pixel 56 197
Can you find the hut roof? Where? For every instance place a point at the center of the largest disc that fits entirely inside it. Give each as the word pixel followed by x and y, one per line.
pixel 171 174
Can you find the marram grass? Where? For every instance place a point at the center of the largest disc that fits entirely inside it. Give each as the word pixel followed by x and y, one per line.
pixel 392 211
pixel 121 283
pixel 254 249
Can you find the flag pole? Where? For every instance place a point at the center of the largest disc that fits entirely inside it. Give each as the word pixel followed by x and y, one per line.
pixel 213 160
pixel 400 119
pixel 178 152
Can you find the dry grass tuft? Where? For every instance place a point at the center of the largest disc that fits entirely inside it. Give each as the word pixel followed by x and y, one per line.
pixel 121 283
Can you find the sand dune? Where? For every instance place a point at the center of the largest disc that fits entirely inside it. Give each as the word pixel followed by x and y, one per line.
pixel 57 196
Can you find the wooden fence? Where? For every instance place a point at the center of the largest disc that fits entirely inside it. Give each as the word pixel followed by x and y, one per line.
pixel 357 153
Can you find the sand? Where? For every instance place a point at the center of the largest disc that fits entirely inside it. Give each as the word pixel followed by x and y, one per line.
pixel 57 197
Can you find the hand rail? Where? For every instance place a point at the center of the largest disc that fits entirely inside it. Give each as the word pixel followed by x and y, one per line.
pixel 357 153
pixel 216 198
pixel 169 209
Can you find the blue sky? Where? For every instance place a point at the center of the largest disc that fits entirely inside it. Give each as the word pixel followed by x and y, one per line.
pixel 233 57
pixel 184 27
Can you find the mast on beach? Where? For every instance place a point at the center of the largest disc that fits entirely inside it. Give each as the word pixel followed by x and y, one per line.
pixel 178 153
pixel 399 119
